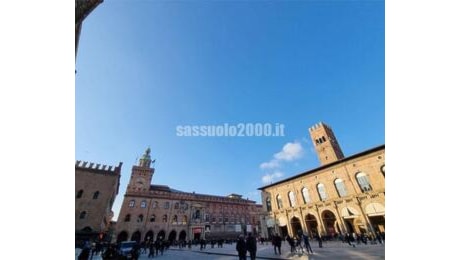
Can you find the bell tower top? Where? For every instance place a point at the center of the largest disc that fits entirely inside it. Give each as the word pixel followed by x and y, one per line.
pixel 141 174
pixel 145 161
pixel 326 145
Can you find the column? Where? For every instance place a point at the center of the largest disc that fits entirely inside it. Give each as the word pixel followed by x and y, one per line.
pixel 320 219
pixel 366 219
pixel 340 219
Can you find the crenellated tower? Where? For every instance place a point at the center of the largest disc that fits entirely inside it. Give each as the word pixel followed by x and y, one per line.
pixel 141 174
pixel 326 145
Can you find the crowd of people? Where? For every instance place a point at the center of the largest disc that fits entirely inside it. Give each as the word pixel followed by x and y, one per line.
pixel 245 245
pixel 113 252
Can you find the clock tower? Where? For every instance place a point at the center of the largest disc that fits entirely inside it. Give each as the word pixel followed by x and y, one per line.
pixel 141 174
pixel 326 145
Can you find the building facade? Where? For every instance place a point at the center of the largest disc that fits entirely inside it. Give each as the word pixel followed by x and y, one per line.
pixel 150 212
pixel 96 187
pixel 82 9
pixel 343 195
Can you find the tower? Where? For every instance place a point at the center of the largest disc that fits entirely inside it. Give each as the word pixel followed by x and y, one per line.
pixel 326 145
pixel 141 174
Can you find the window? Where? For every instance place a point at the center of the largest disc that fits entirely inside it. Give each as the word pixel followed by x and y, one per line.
pixel 96 195
pixel 83 215
pixel 340 186
pixel 152 218
pixel 291 196
pixel 176 205
pixel 174 220
pixel 321 191
pixel 140 218
pixel 155 204
pixel 165 218
pixel 131 203
pixel 268 201
pixel 197 214
pixel 323 138
pixel 279 201
pixel 305 196
pixel 166 205
pixel 143 204
pixel 128 218
pixel 184 219
pixel 382 170
pixel 79 194
pixel 363 182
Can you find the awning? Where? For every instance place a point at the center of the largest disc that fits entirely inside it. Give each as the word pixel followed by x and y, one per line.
pixel 196 230
pixel 349 212
pixel 375 209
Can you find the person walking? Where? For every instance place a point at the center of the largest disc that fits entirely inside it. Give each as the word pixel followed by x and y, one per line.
pixel 320 241
pixel 307 243
pixel 241 248
pixel 276 241
pixel 111 253
pixel 151 250
pixel 251 245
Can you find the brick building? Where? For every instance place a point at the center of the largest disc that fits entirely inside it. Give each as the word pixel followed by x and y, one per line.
pixel 96 187
pixel 344 194
pixel 150 212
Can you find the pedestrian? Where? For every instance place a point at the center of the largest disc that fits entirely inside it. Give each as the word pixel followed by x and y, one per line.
pixel 241 248
pixel 291 243
pixel 276 241
pixel 320 241
pixel 111 253
pixel 151 250
pixel 84 254
pixel 251 245
pixel 307 243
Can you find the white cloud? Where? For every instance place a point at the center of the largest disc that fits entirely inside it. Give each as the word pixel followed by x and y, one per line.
pixel 269 178
pixel 270 165
pixel 290 152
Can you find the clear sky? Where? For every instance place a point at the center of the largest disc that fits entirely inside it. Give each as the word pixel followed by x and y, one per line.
pixel 146 67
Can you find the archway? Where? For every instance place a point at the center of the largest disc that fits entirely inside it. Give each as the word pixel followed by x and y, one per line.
pixel 149 236
pixel 378 223
pixel 376 213
pixel 136 236
pixel 87 229
pixel 349 225
pixel 329 222
pixel 349 214
pixel 172 236
pixel 312 225
pixel 295 226
pixel 161 235
pixel 122 236
pixel 283 231
pixel 182 235
pixel 282 224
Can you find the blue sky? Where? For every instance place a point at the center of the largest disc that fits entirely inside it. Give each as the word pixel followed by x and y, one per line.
pixel 146 67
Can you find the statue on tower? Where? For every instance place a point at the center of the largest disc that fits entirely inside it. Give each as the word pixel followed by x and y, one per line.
pixel 145 160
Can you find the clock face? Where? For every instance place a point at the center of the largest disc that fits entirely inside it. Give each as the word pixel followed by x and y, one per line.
pixel 139 182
